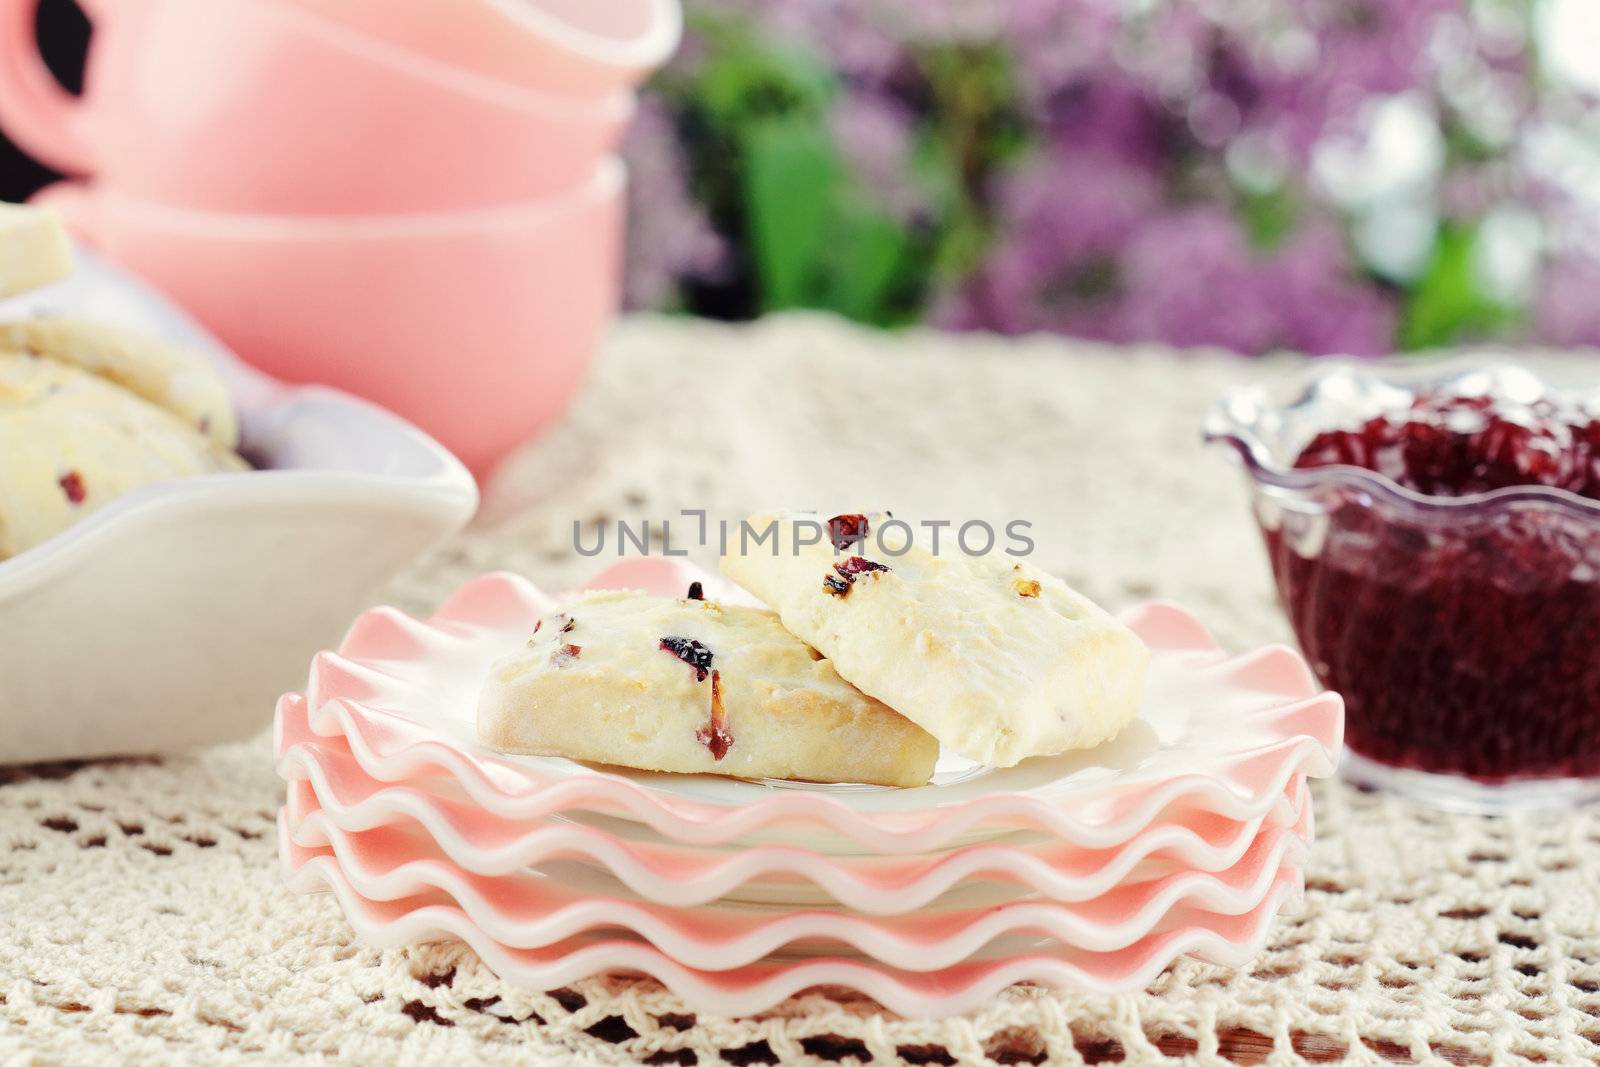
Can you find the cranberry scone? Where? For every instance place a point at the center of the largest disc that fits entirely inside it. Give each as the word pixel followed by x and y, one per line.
pixel 34 250
pixel 996 659
pixel 71 442
pixel 180 380
pixel 693 686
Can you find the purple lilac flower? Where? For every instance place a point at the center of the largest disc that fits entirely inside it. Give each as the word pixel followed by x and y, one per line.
pixel 1167 47
pixel 1567 312
pixel 875 133
pixel 949 21
pixel 1321 306
pixel 1119 224
pixel 848 34
pixel 1109 115
pixel 669 238
pixel 1058 44
pixel 1469 192
pixel 1358 49
pixel 1190 279
pixel 1107 262
pixel 1062 221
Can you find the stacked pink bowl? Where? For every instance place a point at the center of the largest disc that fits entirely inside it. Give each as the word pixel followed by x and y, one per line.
pixel 416 202
pixel 1091 871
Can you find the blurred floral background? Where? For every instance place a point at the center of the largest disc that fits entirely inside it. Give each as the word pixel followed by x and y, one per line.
pixel 1346 176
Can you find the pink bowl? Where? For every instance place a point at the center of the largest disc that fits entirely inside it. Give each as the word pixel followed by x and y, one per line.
pixel 255 107
pixel 565 46
pixel 478 326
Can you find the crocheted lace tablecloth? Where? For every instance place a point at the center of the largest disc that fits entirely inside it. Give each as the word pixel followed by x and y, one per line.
pixel 142 917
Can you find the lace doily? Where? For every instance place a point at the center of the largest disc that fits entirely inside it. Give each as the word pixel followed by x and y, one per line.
pixel 142 918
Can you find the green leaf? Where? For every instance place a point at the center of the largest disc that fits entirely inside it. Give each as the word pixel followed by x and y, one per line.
pixel 976 106
pixel 749 80
pixel 816 239
pixel 866 254
pixel 791 179
pixel 755 114
pixel 1268 216
pixel 1445 306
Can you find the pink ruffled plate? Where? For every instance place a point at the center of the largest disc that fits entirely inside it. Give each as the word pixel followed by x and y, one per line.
pixel 1217 734
pixel 1226 939
pixel 325 778
pixel 540 906
pixel 1092 871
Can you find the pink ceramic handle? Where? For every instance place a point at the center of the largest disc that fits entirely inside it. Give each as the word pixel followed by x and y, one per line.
pixel 37 113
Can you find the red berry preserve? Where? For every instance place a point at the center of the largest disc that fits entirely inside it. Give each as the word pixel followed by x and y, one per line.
pixel 1465 639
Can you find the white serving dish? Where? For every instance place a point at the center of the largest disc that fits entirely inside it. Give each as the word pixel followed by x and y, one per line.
pixel 176 615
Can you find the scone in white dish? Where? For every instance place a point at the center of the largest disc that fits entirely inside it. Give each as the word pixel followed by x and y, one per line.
pixel 174 615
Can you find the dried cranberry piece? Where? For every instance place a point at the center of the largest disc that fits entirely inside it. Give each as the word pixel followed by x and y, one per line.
pixel 848 571
pixel 692 652
pixel 72 484
pixel 714 735
pixel 696 591
pixel 847 530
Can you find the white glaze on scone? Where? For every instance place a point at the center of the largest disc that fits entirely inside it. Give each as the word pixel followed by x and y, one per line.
pixel 180 380
pixel 71 442
pixel 967 647
pixel 594 683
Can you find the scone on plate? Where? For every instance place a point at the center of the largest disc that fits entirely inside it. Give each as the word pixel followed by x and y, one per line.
pixel 689 685
pixel 34 250
pixel 177 379
pixel 996 659
pixel 70 442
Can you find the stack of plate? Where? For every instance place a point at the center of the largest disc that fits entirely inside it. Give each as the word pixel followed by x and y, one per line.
pixel 1095 870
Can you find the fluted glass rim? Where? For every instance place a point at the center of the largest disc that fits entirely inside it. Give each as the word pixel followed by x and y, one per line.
pixel 1246 419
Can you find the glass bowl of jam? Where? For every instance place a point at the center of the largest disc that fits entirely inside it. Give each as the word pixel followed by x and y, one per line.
pixel 1434 532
